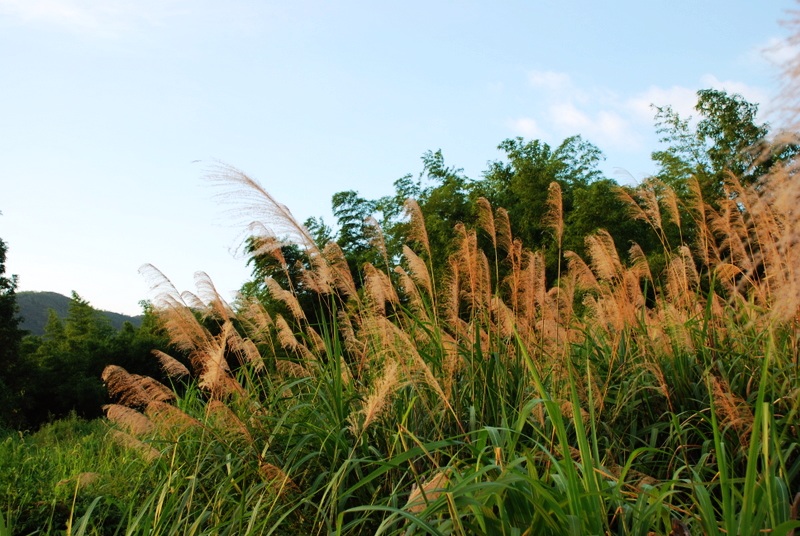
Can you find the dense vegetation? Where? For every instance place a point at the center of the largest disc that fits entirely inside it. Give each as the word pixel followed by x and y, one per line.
pixel 539 351
pixel 34 310
pixel 51 375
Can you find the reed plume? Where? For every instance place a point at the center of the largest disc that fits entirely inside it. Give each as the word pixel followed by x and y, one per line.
pixel 378 399
pixel 134 390
pixel 171 366
pixel 554 217
pixel 134 422
pixel 417 231
pixel 253 203
pixel 430 490
pixel 486 219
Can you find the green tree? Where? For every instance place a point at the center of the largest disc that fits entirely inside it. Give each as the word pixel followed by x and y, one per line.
pixel 726 139
pixel 520 183
pixel 10 337
pixel 61 369
pixel 67 363
pixel 598 206
pixel 351 212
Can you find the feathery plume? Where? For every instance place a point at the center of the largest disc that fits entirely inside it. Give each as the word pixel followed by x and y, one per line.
pixel 376 239
pixel 486 218
pixel 290 369
pixel 208 295
pixel 281 483
pixel 419 270
pixel 503 226
pixel 171 366
pixel 254 203
pixel 379 397
pixel 223 419
pixel 553 218
pixel 605 261
pixel 128 441
pixel 639 263
pixel 136 423
pixel 284 296
pixel 431 489
pixel 417 231
pixel 580 271
pixel 134 390
pixel 342 278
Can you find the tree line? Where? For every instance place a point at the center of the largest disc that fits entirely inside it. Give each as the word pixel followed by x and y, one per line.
pixel 724 140
pixel 48 376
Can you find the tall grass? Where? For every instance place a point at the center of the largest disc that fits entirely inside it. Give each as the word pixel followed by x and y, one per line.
pixel 616 400
pixel 489 403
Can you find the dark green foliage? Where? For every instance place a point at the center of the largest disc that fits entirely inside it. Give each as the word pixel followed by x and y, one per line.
pixel 10 337
pixel 35 306
pixel 520 183
pixel 597 206
pixel 61 369
pixel 727 139
pixel 59 471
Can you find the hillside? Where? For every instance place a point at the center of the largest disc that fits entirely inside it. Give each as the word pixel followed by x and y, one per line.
pixel 34 307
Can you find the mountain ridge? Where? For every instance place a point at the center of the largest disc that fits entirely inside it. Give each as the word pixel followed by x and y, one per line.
pixel 34 307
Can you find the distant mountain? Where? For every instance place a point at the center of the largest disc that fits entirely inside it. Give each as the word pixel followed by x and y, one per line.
pixel 34 309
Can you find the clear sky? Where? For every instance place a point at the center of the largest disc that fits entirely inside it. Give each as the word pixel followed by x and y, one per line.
pixel 112 111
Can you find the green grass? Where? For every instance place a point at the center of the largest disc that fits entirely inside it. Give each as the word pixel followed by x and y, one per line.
pixel 486 410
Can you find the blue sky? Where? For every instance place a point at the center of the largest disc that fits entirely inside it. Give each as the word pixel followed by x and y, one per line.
pixel 112 111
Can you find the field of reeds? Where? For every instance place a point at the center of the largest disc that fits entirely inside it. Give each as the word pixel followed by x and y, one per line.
pixel 469 397
pixel 474 394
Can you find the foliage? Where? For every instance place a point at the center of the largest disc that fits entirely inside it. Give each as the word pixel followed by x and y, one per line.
pixel 446 384
pixel 491 404
pixel 727 139
pixel 54 475
pixel 35 306
pixel 60 370
pixel 10 337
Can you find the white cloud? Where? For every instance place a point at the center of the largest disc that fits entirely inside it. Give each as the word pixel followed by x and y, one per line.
pixel 605 126
pixel 527 127
pixel 106 17
pixel 681 99
pixel 750 93
pixel 549 80
pixel 609 120
pixel 777 52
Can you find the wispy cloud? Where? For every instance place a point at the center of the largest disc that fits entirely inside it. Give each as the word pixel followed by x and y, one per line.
pixel 777 51
pixel 527 127
pixel 549 80
pixel 611 120
pixel 681 99
pixel 102 17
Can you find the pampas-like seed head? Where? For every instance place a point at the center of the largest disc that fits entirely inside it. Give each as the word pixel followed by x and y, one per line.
pixel 170 419
pixel 486 218
pixel 503 226
pixel 281 483
pixel 431 489
pixel 340 270
pixel 419 270
pixel 225 421
pixel 171 366
pixel 135 422
pixel 554 217
pixel 605 261
pixel 134 390
pixel 417 231
pixel 379 397
pixel 128 441
pixel 284 296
